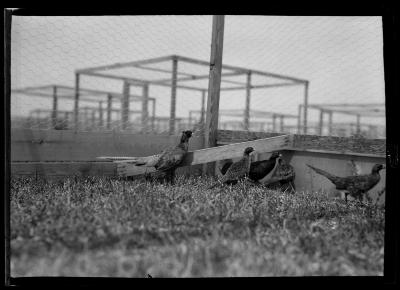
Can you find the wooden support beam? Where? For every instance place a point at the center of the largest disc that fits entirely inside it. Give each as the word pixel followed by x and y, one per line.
pixel 153 114
pixel 101 123
pixel 173 97
pixel 145 108
pixel 274 122
pixel 76 104
pixel 125 106
pixel 282 117
pixel 203 100
pixel 109 107
pixel 330 123
pixel 208 155
pixel 261 86
pixel 321 122
pixel 214 85
pixel 305 108
pixel 126 64
pixel 299 119
pixel 55 103
pixel 246 120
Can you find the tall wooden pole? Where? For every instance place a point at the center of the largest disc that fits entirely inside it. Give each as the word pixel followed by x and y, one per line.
pixel 54 112
pixel 173 96
pixel 214 85
pixel 76 104
pixel 247 108
pixel 145 109
pixel 305 108
pixel 109 106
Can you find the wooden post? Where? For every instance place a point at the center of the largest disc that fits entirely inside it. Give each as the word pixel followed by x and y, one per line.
pixel 321 121
pixel 330 123
pixel 101 124
pixel 299 119
pixel 153 115
pixel 125 105
pixel 247 108
pixel 305 108
pixel 145 110
pixel 173 96
pixel 214 85
pixel 54 112
pixel 273 122
pixel 109 106
pixel 93 121
pixel 281 123
pixel 358 124
pixel 76 105
pixel 203 99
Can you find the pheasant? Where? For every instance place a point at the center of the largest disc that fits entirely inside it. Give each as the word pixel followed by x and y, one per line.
pixel 355 185
pixel 285 175
pixel 258 169
pixel 237 170
pixel 168 160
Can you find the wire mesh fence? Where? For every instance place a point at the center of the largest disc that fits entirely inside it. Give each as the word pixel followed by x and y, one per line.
pixel 150 74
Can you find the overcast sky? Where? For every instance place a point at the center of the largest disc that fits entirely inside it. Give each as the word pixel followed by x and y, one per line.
pixel 342 57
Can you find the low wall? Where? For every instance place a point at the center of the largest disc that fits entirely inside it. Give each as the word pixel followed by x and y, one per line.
pixel 61 153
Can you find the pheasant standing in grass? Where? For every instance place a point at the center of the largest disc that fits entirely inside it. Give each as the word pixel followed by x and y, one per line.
pixel 258 169
pixel 168 160
pixel 238 170
pixel 356 185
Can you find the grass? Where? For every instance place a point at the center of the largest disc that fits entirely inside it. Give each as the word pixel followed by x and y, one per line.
pixel 101 226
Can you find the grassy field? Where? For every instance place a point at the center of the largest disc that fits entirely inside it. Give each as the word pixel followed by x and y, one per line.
pixel 107 227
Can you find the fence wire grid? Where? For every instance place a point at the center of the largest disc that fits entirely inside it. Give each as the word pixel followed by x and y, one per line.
pixel 149 74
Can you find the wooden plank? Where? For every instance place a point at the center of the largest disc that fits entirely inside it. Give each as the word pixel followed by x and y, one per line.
pixel 329 144
pixel 213 154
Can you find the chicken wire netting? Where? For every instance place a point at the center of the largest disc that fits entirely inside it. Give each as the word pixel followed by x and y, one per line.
pixel 122 69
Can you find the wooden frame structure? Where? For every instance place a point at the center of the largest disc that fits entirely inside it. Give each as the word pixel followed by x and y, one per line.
pixel 175 78
pixel 246 117
pixel 88 95
pixel 357 110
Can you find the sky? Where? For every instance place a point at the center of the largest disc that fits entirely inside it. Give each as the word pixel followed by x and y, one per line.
pixel 342 57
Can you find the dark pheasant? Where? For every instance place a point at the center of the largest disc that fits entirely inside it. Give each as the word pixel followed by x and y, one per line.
pixel 285 175
pixel 168 160
pixel 258 169
pixel 237 170
pixel 356 185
